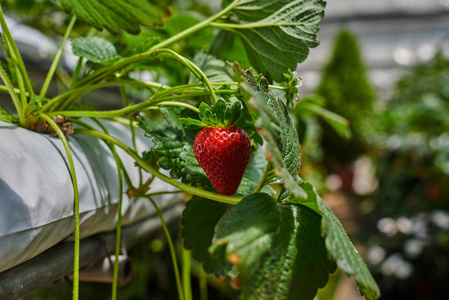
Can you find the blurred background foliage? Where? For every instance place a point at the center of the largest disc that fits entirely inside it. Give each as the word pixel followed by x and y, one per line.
pixel 388 183
pixel 410 253
pixel 344 86
pixel 412 141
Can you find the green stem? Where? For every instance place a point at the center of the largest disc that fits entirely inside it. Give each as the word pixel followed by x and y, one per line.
pixel 149 168
pixel 4 89
pixel 189 88
pixel 82 123
pixel 183 88
pixel 126 121
pixel 203 283
pixel 85 125
pixel 67 103
pixel 263 179
pixel 104 114
pixel 181 96
pixel 191 66
pixel 64 79
pixel 75 93
pixel 157 97
pixel 14 97
pixel 128 182
pixel 76 73
pixel 149 85
pixel 274 87
pixel 131 127
pixel 163 193
pixel 15 54
pixel 104 72
pixel 58 100
pixel 119 224
pixel 23 98
pixel 186 273
pixel 182 104
pixel 165 52
pixel 230 26
pixel 200 26
pixel 172 249
pixel 129 109
pixel 76 262
pixel 225 83
pixel 122 173
pixel 55 63
pixel 118 237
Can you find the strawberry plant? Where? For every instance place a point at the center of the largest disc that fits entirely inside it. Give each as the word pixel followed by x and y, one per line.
pixel 250 217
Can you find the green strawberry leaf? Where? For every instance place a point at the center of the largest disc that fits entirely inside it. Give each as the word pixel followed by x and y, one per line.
pixel 7 117
pixel 343 252
pixel 171 114
pixel 276 34
pixel 115 14
pixel 279 132
pixel 228 47
pixel 197 223
pixel 338 244
pixel 254 173
pixel 277 249
pixel 218 264
pixel 95 49
pixel 310 201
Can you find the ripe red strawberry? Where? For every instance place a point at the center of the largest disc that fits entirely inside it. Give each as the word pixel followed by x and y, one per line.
pixel 223 153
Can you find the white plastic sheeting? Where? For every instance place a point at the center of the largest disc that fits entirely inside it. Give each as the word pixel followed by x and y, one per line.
pixel 36 194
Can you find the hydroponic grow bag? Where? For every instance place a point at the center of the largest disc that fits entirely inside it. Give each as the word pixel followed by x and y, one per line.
pixel 36 194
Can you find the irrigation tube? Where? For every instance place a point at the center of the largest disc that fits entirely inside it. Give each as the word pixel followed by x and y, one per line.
pixel 57 261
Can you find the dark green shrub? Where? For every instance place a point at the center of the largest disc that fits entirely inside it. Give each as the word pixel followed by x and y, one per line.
pixel 348 93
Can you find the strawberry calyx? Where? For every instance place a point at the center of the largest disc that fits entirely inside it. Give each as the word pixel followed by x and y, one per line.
pixel 221 114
